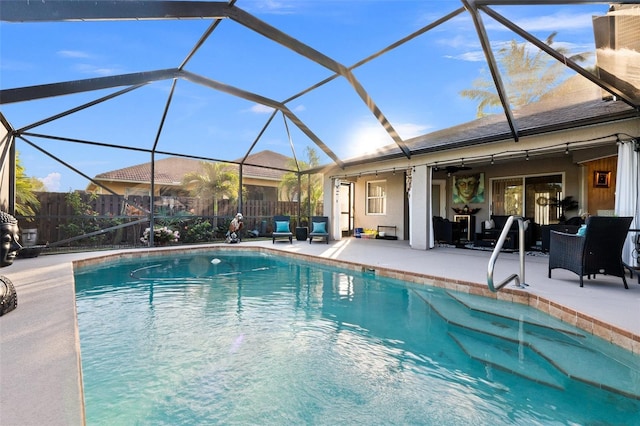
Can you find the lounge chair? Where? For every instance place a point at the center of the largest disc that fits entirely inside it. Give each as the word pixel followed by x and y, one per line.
pixel 599 251
pixel 319 228
pixel 282 228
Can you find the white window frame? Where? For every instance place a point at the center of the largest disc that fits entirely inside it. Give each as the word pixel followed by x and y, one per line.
pixel 381 182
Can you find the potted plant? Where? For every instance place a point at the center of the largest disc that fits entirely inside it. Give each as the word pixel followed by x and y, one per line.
pixel 564 205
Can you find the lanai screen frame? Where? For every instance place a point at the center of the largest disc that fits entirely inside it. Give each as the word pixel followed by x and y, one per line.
pixel 58 11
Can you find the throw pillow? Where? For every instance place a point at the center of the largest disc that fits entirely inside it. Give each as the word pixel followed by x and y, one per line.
pixel 489 224
pixel 582 231
pixel 319 228
pixel 282 226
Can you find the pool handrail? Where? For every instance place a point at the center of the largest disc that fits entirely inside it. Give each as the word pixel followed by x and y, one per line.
pixel 519 279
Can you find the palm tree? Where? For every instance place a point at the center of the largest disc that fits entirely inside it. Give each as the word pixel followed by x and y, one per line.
pixel 26 201
pixel 526 76
pixel 215 180
pixel 289 183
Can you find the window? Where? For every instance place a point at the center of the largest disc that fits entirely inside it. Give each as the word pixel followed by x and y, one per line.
pixel 376 197
pixel 136 191
pixel 528 196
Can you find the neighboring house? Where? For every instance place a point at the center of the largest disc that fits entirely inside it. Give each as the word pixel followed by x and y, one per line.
pixel 261 175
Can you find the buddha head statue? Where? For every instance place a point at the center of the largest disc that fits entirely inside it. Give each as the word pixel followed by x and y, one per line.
pixel 9 235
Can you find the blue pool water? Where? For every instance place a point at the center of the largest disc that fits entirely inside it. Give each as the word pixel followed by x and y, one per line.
pixel 260 339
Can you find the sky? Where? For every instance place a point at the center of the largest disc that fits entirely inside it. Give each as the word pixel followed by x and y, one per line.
pixel 416 85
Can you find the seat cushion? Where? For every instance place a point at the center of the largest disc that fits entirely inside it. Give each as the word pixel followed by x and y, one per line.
pixel 319 228
pixel 282 226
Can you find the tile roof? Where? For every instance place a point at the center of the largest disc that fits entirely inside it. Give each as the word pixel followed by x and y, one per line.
pixel 169 171
pixel 269 159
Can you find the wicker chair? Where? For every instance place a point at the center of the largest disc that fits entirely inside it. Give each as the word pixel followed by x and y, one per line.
pixel 598 252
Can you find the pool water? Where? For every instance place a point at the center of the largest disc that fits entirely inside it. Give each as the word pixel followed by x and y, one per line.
pixel 250 338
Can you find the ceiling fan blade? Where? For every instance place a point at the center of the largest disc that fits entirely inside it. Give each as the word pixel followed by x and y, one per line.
pixel 454 169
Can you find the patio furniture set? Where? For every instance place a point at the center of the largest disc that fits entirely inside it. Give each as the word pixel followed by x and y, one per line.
pixel 592 248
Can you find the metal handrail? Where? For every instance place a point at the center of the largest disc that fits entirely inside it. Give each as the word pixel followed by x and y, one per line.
pixel 519 279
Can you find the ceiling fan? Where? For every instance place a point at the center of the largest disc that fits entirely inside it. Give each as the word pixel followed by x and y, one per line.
pixel 453 169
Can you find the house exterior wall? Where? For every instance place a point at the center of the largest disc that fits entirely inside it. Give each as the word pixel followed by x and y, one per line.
pixel 547 166
pixel 260 182
pixel 546 157
pixel 395 197
pixel 600 199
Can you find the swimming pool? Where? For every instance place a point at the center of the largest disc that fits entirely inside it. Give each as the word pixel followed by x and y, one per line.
pixel 243 338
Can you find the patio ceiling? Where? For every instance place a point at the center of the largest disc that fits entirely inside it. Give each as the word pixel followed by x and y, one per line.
pixel 208 72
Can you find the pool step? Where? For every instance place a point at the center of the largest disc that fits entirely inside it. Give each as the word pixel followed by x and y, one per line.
pixel 514 312
pixel 558 347
pixel 508 357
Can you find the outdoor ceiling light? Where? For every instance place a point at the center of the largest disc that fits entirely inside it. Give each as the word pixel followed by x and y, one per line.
pixel 566 150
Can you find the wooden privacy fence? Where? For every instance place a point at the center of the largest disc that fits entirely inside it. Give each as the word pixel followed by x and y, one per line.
pixel 82 222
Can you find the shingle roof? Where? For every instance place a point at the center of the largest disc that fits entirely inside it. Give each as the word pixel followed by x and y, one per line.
pixel 586 109
pixel 169 171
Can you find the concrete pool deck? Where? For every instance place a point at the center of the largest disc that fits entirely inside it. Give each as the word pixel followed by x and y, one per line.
pixel 40 374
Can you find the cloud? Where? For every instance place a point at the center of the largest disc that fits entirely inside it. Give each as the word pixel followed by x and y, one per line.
pixel 86 68
pixel 475 56
pixel 459 41
pixel 52 181
pixel 559 20
pixel 261 109
pixel 96 70
pixel 532 24
pixel 73 54
pixel 565 21
pixel 276 7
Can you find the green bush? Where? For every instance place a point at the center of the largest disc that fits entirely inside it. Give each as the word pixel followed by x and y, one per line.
pixel 198 231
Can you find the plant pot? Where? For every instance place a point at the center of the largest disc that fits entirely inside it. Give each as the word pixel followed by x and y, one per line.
pixel 302 232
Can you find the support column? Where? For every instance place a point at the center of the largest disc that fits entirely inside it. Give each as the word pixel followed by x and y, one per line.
pixel 334 201
pixel 420 228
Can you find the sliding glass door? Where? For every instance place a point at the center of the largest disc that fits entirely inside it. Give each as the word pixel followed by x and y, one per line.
pixel 529 196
